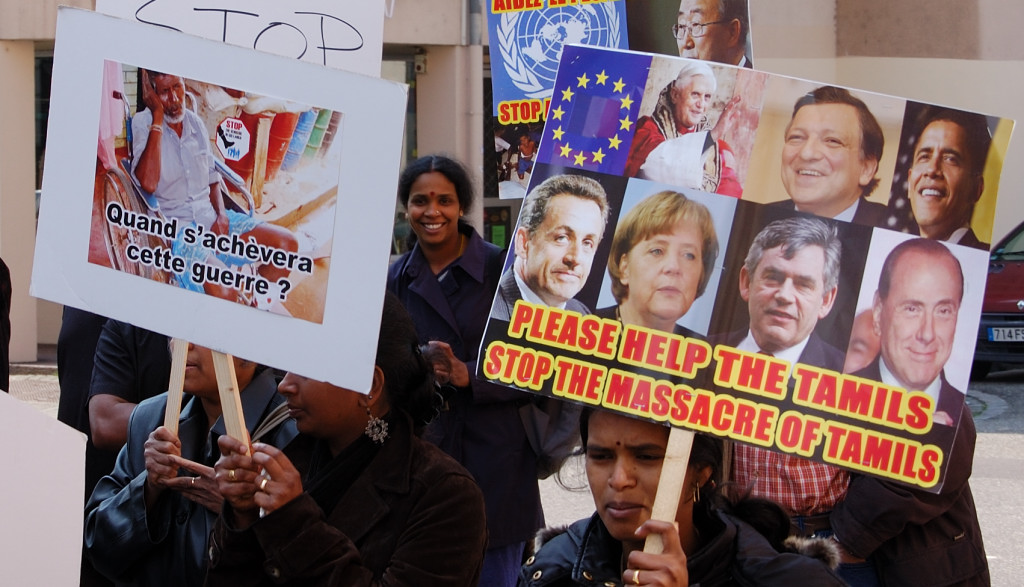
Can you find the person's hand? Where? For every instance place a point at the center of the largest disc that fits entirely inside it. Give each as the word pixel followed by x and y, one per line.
pixel 160 452
pixel 200 487
pixel 943 418
pixel 447 367
pixel 730 118
pixel 221 225
pixel 665 569
pixel 279 483
pixel 235 474
pixel 151 100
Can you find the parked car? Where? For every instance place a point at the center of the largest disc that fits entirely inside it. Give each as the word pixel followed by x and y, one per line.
pixel 1001 332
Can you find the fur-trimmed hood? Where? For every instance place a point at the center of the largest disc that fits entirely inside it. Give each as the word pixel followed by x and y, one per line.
pixel 734 553
pixel 824 549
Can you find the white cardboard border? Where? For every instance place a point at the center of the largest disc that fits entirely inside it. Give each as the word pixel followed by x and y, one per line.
pixel 277 25
pixel 342 348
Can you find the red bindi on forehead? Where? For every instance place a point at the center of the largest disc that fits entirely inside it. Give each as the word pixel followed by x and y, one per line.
pixel 433 193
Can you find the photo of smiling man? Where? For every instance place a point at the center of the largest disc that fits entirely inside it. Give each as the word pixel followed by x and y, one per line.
pixel 560 226
pixel 945 178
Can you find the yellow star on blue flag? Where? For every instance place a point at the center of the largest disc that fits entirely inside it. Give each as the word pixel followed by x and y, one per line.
pixel 597 118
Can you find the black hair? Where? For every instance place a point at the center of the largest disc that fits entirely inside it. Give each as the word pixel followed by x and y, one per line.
pixel 975 126
pixel 408 376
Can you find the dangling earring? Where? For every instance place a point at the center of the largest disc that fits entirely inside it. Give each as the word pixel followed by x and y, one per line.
pixel 696 493
pixel 376 428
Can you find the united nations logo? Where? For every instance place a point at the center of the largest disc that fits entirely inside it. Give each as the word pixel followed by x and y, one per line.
pixel 531 42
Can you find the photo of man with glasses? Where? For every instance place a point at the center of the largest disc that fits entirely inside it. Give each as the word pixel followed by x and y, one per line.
pixel 714 30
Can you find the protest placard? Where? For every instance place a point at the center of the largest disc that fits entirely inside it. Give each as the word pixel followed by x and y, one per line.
pixel 160 257
pixel 345 35
pixel 42 512
pixel 656 271
pixel 527 40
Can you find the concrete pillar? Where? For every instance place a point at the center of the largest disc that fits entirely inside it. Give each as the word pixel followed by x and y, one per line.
pixel 449 110
pixel 17 188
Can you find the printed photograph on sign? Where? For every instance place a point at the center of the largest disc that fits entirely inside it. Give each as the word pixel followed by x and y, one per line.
pixel 665 263
pixel 216 190
pixel 711 30
pixel 947 174
pixel 697 122
pixel 706 245
pixel 826 150
pixel 527 40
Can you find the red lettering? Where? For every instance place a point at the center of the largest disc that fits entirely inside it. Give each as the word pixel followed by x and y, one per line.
pixel 619 389
pixel 522 315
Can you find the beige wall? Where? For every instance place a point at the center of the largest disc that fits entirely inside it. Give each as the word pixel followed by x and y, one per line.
pixel 959 53
pixel 951 52
pixel 17 188
pixel 33 19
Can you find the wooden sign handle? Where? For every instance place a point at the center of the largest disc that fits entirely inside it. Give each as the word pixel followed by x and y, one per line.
pixel 179 351
pixel 670 485
pixel 230 399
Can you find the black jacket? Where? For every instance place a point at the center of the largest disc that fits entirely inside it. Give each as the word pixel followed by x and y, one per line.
pixel 412 517
pixel 167 544
pixel 733 553
pixel 915 537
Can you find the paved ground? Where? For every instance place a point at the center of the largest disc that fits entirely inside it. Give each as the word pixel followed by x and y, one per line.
pixel 36 383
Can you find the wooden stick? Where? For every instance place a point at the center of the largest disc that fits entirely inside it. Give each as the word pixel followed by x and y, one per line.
pixel 670 485
pixel 259 158
pixel 179 351
pixel 230 400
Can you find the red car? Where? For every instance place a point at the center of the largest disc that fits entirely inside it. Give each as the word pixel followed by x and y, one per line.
pixel 1001 334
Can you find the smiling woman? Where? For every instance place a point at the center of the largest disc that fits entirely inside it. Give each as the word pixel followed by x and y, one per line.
pixel 447 282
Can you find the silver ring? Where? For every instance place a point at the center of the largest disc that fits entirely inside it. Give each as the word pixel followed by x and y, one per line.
pixel 193 481
pixel 263 484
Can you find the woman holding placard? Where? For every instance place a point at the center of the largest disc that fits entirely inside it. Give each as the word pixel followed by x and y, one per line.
pixel 148 521
pixel 711 542
pixel 358 498
pixel 447 281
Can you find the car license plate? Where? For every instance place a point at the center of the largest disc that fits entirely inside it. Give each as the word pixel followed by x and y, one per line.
pixel 1006 334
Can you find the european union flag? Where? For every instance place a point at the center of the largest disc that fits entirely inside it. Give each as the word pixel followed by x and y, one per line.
pixel 594 108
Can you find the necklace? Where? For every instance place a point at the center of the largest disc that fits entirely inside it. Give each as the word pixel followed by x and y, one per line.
pixel 462 244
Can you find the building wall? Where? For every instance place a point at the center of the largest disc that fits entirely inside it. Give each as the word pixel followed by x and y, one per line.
pixel 950 52
pixel 17 188
pixel 962 53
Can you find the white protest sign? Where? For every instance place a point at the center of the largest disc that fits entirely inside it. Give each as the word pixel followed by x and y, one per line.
pixel 342 34
pixel 42 505
pixel 101 248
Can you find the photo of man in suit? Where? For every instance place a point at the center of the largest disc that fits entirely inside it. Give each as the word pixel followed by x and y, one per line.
pixel 833 145
pixel 945 179
pixel 789 280
pixel 915 314
pixel 714 30
pixel 560 227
